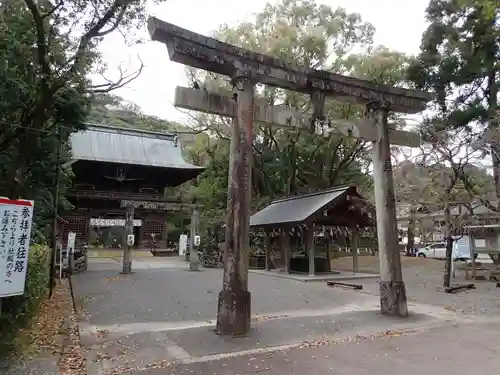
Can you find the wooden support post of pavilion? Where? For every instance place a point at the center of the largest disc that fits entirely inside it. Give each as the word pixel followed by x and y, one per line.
pixel 354 249
pixel 267 249
pixel 328 249
pixel 311 251
pixel 285 247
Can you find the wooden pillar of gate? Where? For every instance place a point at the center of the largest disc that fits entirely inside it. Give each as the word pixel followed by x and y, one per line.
pixel 194 257
pixel 233 315
pixel 127 249
pixel 392 288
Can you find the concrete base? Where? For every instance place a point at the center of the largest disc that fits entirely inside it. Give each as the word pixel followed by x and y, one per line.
pixel 331 276
pixel 393 298
pixel 233 315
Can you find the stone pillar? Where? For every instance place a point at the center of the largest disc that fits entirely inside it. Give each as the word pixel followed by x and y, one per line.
pixel 127 250
pixel 285 246
pixel 354 248
pixel 310 248
pixel 194 258
pixel 392 287
pixel 267 248
pixel 233 316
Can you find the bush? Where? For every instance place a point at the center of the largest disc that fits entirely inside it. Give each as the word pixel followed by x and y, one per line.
pixel 17 311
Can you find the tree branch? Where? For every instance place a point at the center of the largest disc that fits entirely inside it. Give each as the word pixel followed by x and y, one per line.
pixel 122 81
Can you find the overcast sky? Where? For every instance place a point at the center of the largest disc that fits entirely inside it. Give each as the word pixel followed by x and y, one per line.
pixel 399 25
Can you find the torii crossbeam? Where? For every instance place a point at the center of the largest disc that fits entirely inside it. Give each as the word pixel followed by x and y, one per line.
pixel 285 117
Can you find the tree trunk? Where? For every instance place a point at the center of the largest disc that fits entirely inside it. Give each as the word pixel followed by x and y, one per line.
pixel 449 248
pixel 492 92
pixel 447 265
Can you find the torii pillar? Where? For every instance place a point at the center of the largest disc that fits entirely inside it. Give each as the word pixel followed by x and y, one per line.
pixel 233 317
pixel 392 288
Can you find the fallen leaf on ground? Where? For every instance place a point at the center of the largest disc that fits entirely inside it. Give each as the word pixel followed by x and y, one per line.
pixel 102 333
pixel 314 343
pixel 114 278
pixel 47 329
pixel 73 359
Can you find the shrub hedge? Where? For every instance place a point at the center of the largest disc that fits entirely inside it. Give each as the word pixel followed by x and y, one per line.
pixel 17 311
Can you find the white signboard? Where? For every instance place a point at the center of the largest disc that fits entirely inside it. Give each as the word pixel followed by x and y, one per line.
pixel 98 222
pixel 16 217
pixel 71 242
pixel 183 238
pixel 70 250
pixel 480 243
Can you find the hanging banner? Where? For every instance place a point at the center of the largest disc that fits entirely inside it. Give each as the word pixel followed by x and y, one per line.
pixel 98 222
pixel 16 217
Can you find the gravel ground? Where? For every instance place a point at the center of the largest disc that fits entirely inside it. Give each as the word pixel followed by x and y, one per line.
pixel 424 277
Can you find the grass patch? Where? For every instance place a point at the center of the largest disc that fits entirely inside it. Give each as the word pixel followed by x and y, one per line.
pixel 18 311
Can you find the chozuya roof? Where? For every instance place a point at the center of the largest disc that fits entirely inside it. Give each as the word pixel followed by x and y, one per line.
pixel 128 146
pixel 297 209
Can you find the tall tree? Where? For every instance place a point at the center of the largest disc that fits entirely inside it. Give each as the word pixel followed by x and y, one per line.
pixel 317 36
pixel 49 47
pixel 459 60
pixel 47 50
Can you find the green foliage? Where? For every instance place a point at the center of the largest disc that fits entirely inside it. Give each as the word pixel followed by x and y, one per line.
pixel 296 161
pixel 18 310
pixel 459 59
pixel 47 50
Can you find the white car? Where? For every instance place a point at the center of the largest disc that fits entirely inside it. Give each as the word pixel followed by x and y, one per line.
pixel 438 251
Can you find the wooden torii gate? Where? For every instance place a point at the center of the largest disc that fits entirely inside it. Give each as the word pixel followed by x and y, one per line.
pixel 246 69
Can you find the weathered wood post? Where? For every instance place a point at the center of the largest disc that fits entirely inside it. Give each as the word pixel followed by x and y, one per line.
pixel 310 248
pixel 233 316
pixel 392 287
pixel 285 245
pixel 267 248
pixel 328 248
pixel 127 249
pixel 354 248
pixel 194 257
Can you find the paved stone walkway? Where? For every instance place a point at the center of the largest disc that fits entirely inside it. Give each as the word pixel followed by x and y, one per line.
pixel 458 350
pixel 164 315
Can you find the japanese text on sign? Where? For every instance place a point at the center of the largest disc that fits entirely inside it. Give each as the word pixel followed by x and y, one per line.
pixel 15 231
